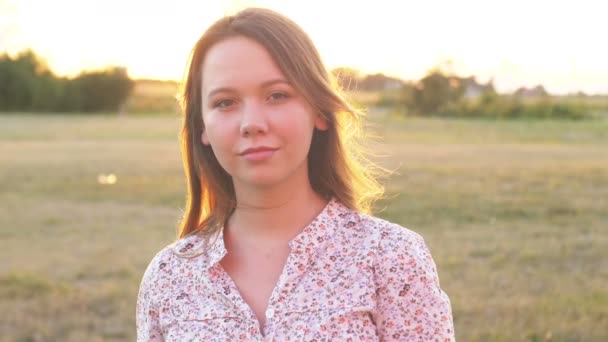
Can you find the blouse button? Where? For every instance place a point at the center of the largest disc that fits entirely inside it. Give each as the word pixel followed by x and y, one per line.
pixel 270 313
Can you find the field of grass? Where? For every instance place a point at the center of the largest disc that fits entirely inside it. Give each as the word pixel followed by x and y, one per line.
pixel 152 96
pixel 515 214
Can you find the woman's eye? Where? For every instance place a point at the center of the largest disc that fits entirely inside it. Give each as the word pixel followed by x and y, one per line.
pixel 278 96
pixel 223 103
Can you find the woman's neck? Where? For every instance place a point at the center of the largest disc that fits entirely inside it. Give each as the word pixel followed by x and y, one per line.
pixel 274 215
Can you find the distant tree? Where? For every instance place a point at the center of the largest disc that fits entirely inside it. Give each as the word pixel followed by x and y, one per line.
pixel 102 90
pixel 433 92
pixel 380 82
pixel 28 84
pixel 17 80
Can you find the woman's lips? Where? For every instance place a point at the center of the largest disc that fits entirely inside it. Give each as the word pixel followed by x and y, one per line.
pixel 258 153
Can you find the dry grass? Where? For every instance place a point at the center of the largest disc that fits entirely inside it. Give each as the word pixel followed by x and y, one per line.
pixel 515 213
pixel 151 96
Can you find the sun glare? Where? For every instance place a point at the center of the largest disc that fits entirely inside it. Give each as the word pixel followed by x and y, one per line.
pixel 516 43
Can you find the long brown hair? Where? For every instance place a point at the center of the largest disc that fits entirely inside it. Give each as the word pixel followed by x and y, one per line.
pixel 337 166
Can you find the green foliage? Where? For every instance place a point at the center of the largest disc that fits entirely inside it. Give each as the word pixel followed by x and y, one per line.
pixel 432 93
pixel 506 106
pixel 438 94
pixel 103 90
pixel 27 84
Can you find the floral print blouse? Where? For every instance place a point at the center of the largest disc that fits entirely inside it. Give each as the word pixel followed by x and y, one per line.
pixel 349 277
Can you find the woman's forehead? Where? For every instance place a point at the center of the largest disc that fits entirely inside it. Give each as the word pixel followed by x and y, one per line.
pixel 238 61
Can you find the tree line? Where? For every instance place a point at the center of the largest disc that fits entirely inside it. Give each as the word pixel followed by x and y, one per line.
pixel 442 93
pixel 28 84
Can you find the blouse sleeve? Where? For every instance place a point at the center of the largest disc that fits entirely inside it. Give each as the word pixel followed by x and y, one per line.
pixel 147 311
pixel 411 305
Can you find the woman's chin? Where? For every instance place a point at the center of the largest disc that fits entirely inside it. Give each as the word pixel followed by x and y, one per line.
pixel 259 180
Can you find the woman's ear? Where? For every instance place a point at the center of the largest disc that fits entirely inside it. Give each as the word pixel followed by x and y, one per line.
pixel 321 122
pixel 204 138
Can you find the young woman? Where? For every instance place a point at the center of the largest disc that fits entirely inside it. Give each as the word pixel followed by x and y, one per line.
pixel 275 244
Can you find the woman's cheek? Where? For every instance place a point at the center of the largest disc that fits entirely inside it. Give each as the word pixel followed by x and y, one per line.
pixel 220 131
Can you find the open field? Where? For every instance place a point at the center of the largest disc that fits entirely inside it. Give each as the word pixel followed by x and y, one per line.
pixel 515 214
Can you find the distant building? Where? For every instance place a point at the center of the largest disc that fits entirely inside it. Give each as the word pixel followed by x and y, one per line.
pixel 472 89
pixel 538 91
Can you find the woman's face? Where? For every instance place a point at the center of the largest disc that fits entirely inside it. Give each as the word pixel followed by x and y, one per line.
pixel 259 127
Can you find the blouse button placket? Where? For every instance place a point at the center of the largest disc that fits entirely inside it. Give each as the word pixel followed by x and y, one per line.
pixel 270 313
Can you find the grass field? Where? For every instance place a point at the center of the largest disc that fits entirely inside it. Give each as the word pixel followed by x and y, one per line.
pixel 515 214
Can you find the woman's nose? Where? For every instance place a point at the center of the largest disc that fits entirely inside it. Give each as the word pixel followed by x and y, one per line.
pixel 253 120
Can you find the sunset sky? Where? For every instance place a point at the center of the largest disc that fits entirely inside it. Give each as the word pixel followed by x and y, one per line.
pixel 561 44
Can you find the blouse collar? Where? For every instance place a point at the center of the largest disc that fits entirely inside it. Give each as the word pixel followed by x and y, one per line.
pixel 316 234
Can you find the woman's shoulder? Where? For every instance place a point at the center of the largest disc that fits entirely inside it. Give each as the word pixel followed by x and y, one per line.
pixel 171 256
pixel 407 283
pixel 193 245
pixel 398 248
pixel 387 241
pixel 387 232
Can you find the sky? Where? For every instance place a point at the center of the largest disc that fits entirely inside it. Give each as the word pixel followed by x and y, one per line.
pixel 515 43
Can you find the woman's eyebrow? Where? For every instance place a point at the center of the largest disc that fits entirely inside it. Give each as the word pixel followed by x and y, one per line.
pixel 274 81
pixel 264 84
